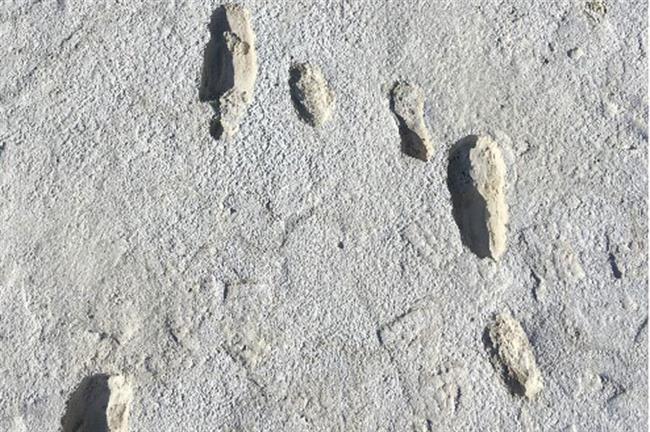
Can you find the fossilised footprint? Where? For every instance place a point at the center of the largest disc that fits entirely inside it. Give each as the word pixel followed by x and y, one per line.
pixel 100 404
pixel 310 93
pixel 407 103
pixel 476 181
pixel 510 344
pixel 229 68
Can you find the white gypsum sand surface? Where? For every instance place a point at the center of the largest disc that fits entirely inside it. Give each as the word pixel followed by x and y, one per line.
pixel 294 278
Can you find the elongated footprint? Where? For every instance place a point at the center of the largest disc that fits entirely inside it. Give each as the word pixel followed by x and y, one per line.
pixel 229 68
pixel 476 182
pixel 101 403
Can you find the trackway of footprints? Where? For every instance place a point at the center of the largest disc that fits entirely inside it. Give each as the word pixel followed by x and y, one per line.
pixel 476 176
pixel 476 179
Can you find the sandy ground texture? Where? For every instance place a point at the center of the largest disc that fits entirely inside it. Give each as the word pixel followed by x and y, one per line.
pixel 304 271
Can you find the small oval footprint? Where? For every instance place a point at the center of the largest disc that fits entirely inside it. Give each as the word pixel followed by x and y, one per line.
pixel 510 346
pixel 407 103
pixel 310 93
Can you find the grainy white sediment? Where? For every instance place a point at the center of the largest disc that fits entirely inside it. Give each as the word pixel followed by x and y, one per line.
pixel 241 284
